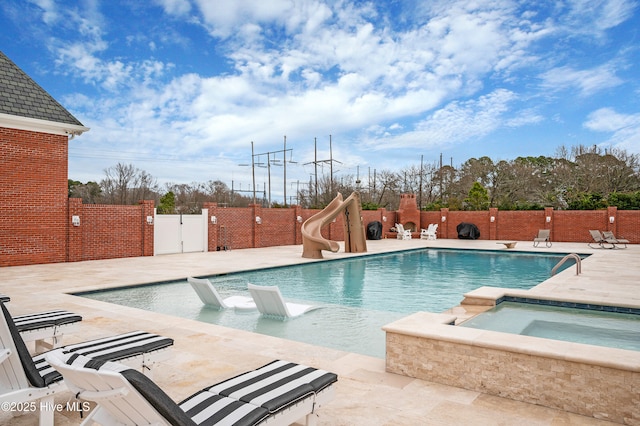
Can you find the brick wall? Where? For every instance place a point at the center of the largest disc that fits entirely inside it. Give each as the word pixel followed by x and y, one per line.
pixel 39 232
pixel 33 197
pixel 627 225
pixel 109 231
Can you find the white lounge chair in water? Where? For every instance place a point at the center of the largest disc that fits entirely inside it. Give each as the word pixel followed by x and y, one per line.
pixel 210 296
pixel 270 302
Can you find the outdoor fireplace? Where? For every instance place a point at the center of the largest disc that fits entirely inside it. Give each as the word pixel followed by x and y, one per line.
pixel 408 214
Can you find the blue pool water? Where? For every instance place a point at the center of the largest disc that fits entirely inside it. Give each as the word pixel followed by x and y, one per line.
pixel 589 326
pixel 358 295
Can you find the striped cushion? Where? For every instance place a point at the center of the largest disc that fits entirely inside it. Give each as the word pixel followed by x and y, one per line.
pixel 206 408
pixel 202 408
pixel 113 348
pixel 121 346
pixel 78 360
pixel 45 319
pixel 275 385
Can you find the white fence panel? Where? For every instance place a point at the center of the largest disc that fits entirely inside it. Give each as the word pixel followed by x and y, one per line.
pixel 167 234
pixel 193 237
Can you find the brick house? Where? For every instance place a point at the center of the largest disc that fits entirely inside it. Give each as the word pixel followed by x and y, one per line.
pixel 34 139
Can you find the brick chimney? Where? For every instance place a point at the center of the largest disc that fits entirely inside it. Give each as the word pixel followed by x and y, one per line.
pixel 408 214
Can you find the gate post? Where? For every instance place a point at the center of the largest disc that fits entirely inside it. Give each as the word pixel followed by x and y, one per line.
pixel 612 219
pixel 493 223
pixel 74 230
pixel 147 219
pixel 297 212
pixel 256 223
pixel 212 225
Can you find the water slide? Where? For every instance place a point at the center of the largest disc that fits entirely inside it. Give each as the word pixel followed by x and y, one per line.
pixel 354 236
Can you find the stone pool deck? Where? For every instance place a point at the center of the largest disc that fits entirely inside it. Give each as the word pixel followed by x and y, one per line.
pixel 366 394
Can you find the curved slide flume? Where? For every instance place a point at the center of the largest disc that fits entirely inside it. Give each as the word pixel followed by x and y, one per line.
pixel 312 240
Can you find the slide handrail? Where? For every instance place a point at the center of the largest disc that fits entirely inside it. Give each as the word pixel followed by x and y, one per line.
pixel 564 259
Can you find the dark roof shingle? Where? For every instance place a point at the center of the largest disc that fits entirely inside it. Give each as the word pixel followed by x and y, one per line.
pixel 21 96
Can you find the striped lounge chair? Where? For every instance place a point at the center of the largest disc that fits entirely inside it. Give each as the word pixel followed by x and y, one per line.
pixel 25 379
pixel 279 393
pixel 47 328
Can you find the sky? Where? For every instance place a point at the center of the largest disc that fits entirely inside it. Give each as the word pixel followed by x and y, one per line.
pixel 182 89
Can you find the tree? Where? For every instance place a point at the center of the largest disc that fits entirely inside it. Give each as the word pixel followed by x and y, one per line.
pixel 478 198
pixel 90 192
pixel 167 204
pixel 630 201
pixel 580 177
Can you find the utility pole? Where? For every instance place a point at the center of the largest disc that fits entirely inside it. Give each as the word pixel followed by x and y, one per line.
pixel 316 162
pixel 268 166
pixel 441 178
pixel 284 164
pixel 330 168
pixel 253 173
pixel 420 186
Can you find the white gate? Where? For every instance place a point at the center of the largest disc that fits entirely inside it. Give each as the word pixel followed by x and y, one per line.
pixel 180 233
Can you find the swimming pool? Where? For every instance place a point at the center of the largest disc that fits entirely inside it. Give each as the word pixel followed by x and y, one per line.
pixel 358 295
pixel 597 325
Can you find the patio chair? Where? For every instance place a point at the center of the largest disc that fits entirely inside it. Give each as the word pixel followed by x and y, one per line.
pixel 270 303
pixel 403 234
pixel 543 237
pixel 42 326
pixel 600 240
pixel 279 393
pixel 25 379
pixel 430 232
pixel 609 236
pixel 48 328
pixel 210 296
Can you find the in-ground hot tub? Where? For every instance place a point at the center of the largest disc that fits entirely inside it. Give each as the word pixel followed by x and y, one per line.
pixel 609 326
pixel 591 380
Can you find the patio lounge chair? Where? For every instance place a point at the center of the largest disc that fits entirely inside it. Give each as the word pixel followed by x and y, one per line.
pixel 47 328
pixel 609 236
pixel 43 326
pixel 25 379
pixel 270 303
pixel 543 237
pixel 600 240
pixel 279 393
pixel 210 296
pixel 403 234
pixel 430 232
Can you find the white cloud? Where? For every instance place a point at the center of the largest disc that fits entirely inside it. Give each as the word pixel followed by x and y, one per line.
pixel 596 16
pixel 625 128
pixel 223 18
pixel 175 7
pixel 310 68
pixel 338 74
pixel 587 82
pixel 50 13
pixel 457 122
